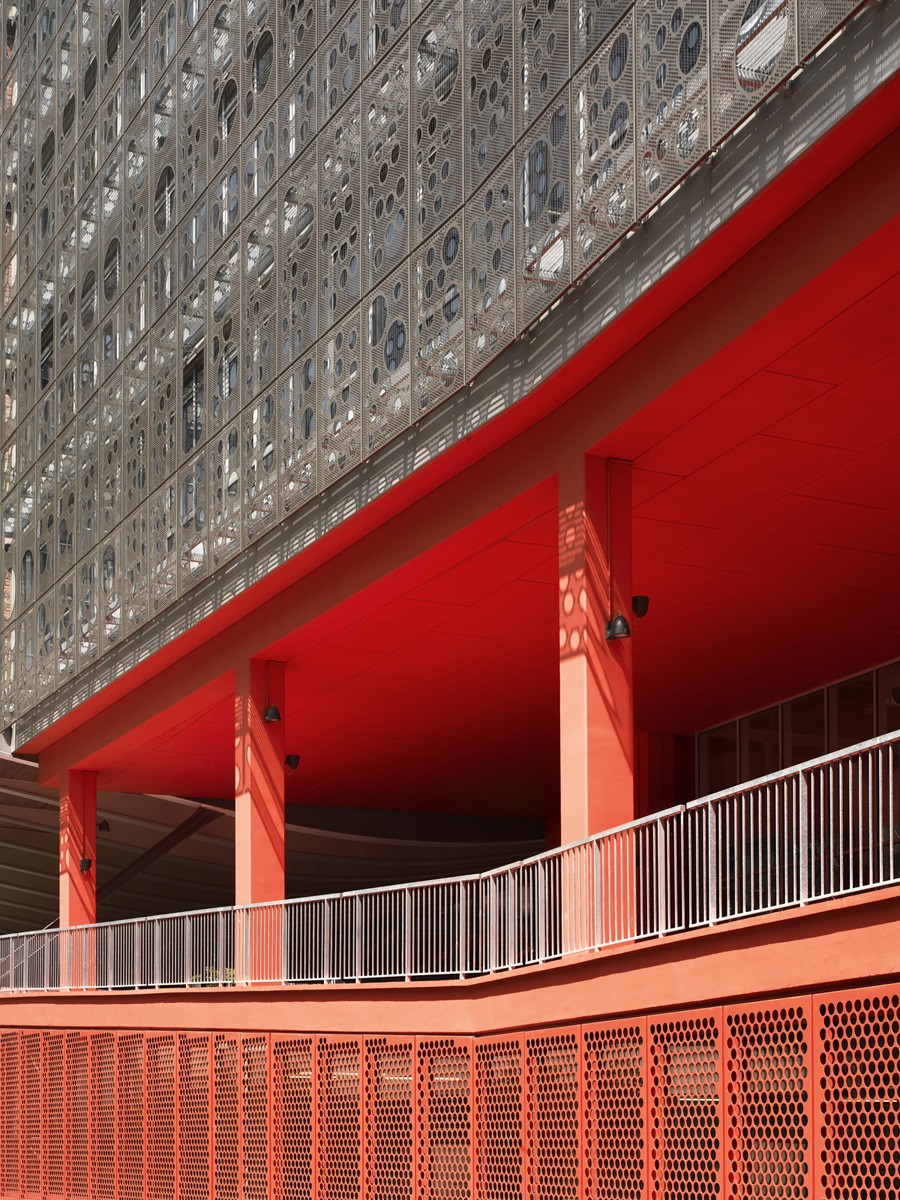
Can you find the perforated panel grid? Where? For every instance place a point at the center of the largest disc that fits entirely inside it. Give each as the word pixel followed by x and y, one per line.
pixel 260 174
pixel 615 1128
pixel 787 1099
pixel 444 1119
pixel 858 1041
pixel 552 1114
pixel 339 1119
pixel 685 1119
pixel 498 1120
pixel 293 1078
pixel 768 1080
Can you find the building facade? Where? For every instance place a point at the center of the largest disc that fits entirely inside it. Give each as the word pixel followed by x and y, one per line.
pixel 449 627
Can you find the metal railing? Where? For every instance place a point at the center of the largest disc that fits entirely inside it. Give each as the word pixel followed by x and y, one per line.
pixel 824 829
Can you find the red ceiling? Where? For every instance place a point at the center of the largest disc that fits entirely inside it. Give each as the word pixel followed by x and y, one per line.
pixel 766 532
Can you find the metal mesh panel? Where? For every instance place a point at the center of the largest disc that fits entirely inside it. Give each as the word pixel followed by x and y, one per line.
pixel 259 42
pixel 193 113
pixel 298 259
pixel 592 20
pixel 298 405
pixel 385 22
pixel 339 217
pixel 130 1144
pixel 754 46
pixel 436 121
pixel 444 1114
pixel 498 1119
pixel 193 534
pixel 227 1125
pixel 226 87
pixel 767 1073
pixel 162 547
pixel 615 1137
pixel 293 1118
pixel 542 56
pixel 603 148
pixel 103 1109
pixel 224 495
pixel 53 1124
pixel 11 1159
pixel 298 122
pixel 260 294
pixel 543 215
pixel 339 1118
pixel 551 1112
pixel 685 1118
pixel 339 62
pixel 439 333
pixel 66 648
pixel 672 94
pixel 386 388
pixel 385 166
pixel 819 18
pixel 160 1075
pixel 163 412
pixel 340 375
pixel 490 269
pixel 255 1123
pixel 259 161
pixel 389 1119
pixel 296 38
pixel 135 549
pixel 489 86
pixel 137 198
pixel 223 334
pixel 856 1088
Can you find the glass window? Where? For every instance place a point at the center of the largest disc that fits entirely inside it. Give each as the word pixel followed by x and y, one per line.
pixel 888 702
pixel 718 759
pixel 803 725
pixel 851 712
pixel 760 744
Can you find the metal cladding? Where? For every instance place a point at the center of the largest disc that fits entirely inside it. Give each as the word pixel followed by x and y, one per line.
pixel 246 246
pixel 770 1098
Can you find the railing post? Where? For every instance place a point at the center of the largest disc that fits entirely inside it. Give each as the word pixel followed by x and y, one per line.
pixel 542 870
pixel 407 934
pixel 188 930
pixel 138 960
pixel 357 954
pixel 660 879
pixel 595 882
pixel 712 867
pixel 157 955
pixel 805 846
pixel 462 929
pixel 327 943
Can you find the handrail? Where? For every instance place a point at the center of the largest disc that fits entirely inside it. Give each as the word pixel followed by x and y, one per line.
pixel 822 829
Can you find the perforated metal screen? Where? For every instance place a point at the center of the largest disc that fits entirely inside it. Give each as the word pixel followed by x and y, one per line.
pixel 244 246
pixel 790 1099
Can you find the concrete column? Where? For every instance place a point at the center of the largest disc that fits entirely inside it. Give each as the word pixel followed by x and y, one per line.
pixel 595 674
pixel 259 784
pixel 77 845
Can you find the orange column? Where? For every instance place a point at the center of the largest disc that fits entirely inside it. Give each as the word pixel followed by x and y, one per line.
pixel 259 784
pixel 595 674
pixel 77 845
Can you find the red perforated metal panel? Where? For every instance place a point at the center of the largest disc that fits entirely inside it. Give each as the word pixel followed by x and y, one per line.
pixel 77 1114
pixel 552 1110
pixel 10 1099
pixel 31 1126
pixel 53 1056
pixel 858 1093
pixel 498 1118
pixel 160 1067
pixel 102 1090
pixel 193 1117
pixel 339 1119
pixel 444 1114
pixel 130 1116
pixel 227 1126
pixel 768 1100
pixel 685 1117
pixel 614 1070
pixel 389 1119
pixel 255 1123
pixel 293 1089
